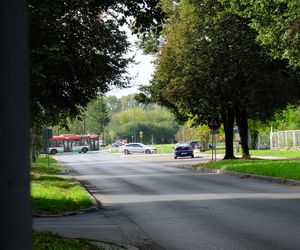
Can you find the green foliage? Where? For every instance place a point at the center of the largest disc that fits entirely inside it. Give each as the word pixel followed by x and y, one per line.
pixel 287 119
pixel 77 51
pixel 277 23
pixel 199 133
pixel 210 64
pixel 93 119
pixel 157 124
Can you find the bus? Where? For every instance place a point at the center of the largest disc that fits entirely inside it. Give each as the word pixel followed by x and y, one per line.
pixel 73 143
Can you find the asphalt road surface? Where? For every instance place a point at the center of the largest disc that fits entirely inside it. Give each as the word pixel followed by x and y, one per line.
pixel 160 204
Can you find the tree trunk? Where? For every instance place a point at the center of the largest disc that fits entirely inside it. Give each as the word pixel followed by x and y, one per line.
pixel 228 122
pixel 15 212
pixel 242 122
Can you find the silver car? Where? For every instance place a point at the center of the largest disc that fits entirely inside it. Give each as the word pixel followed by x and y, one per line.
pixel 130 148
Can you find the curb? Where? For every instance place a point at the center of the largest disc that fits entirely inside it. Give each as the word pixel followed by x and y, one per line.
pixel 252 176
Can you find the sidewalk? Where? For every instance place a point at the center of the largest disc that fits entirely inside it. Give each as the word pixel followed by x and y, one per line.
pixel 93 226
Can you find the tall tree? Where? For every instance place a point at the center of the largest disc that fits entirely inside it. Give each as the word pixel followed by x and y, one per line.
pixel 211 64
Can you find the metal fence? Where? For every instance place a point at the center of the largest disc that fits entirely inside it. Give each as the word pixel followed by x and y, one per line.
pixel 289 139
pixel 263 141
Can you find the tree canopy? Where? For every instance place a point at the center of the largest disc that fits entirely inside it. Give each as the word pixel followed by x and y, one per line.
pixel 210 64
pixel 277 23
pixel 77 51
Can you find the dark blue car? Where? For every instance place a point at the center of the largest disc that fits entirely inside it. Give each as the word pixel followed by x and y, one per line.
pixel 183 149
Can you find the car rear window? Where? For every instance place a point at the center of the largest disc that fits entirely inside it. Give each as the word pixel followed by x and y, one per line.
pixel 185 145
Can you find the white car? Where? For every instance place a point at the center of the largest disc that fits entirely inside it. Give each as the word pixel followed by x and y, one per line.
pixel 137 148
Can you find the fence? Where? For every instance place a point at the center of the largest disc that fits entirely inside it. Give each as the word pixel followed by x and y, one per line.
pixel 289 139
pixel 263 141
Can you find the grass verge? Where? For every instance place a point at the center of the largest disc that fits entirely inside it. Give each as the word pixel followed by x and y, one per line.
pixel 288 169
pixel 54 195
pixel 46 240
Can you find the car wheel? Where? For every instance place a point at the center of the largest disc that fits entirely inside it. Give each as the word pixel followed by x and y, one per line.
pixel 53 151
pixel 84 150
pixel 175 157
pixel 147 151
pixel 192 156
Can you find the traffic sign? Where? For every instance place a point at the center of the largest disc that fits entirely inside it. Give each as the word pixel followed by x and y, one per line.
pixel 141 134
pixel 214 123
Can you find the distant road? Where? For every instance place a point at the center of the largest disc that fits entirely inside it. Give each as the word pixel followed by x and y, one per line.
pixel 161 205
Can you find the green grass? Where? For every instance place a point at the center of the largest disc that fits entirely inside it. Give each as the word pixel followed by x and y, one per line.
pixel 44 159
pixel 264 152
pixel 46 240
pixel 41 166
pixel 163 148
pixel 283 153
pixel 54 195
pixel 288 169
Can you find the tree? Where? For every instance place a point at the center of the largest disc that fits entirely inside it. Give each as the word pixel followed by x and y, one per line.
pixel 278 26
pixel 97 116
pixel 78 51
pixel 210 65
pixel 157 124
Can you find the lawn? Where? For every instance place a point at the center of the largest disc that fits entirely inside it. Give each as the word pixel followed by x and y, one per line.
pixel 163 148
pixel 45 240
pixel 283 153
pixel 288 169
pixel 264 152
pixel 55 195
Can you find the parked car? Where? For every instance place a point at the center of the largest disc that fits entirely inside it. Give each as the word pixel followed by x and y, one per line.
pixel 195 144
pixel 183 149
pixel 117 144
pixel 130 148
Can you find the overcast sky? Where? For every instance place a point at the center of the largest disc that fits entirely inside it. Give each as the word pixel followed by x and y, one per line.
pixel 141 72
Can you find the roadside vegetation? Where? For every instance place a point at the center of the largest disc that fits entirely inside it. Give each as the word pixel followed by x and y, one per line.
pixel 46 240
pixel 288 169
pixel 52 194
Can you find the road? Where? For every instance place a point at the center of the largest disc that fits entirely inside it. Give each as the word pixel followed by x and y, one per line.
pixel 159 204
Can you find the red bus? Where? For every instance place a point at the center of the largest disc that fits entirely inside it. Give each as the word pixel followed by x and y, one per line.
pixel 73 143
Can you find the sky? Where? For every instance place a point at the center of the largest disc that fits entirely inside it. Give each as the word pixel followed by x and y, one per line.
pixel 141 71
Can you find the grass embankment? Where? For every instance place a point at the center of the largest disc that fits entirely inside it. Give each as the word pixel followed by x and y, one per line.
pixel 288 169
pixel 43 240
pixel 54 195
